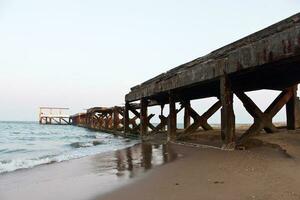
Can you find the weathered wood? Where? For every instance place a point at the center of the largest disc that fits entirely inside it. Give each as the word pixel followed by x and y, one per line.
pixel 279 42
pixel 279 102
pixel 134 112
pixel 161 125
pixel 212 110
pixel 291 109
pixel 227 113
pixel 144 117
pixel 163 119
pixel 151 126
pixel 263 120
pixel 172 119
pixel 116 118
pixel 187 116
pixel 200 120
pixel 136 129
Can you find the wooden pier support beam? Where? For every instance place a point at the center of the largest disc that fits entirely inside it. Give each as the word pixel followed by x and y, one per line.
pixel 291 112
pixel 126 117
pixel 144 117
pixel 163 119
pixel 263 120
pixel 227 113
pixel 116 118
pixel 187 115
pixel 172 119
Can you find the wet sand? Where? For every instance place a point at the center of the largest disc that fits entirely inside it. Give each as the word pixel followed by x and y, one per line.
pixel 84 178
pixel 269 169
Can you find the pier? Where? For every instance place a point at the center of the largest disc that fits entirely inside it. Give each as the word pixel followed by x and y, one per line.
pixel 268 59
pixel 54 115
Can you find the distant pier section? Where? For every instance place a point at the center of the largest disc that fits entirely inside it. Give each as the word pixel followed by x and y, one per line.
pixel 54 115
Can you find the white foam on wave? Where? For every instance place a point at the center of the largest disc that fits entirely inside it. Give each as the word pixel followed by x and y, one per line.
pixel 23 163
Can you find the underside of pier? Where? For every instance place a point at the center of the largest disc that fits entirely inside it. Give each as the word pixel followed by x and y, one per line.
pixel 268 59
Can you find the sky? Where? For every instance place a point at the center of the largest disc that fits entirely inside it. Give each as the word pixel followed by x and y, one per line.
pixel 86 53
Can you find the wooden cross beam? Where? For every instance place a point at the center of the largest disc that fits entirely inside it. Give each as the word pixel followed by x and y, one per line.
pixel 200 120
pixel 127 121
pixel 161 125
pixel 263 120
pixel 116 118
pixel 148 121
pixel 102 120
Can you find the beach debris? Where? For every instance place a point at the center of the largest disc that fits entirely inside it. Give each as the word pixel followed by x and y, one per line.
pixel 218 182
pixel 86 144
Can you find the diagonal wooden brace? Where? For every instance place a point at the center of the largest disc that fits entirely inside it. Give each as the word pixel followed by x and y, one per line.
pixel 162 124
pixel 201 120
pixel 263 120
pixel 148 121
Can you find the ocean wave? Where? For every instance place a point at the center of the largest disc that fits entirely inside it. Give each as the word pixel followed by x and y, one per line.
pixel 7 151
pixel 25 163
pixel 12 165
pixel 26 145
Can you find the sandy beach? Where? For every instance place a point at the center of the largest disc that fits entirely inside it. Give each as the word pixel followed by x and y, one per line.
pixel 263 172
pixel 268 170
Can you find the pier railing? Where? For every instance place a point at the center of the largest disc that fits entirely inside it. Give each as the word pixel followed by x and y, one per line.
pixel 54 115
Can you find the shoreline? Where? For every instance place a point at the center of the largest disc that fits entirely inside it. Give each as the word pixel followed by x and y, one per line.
pixel 267 170
pixel 84 178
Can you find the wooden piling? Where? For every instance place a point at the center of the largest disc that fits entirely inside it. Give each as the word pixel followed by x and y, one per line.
pixel 116 118
pixel 172 119
pixel 227 113
pixel 144 117
pixel 126 117
pixel 187 116
pixel 291 112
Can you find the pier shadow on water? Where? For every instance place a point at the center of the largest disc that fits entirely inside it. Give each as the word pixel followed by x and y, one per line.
pixel 132 161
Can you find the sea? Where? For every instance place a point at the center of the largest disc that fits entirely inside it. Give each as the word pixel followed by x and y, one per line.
pixel 29 144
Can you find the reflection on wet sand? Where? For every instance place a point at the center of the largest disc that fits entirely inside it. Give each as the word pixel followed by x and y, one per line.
pixel 129 162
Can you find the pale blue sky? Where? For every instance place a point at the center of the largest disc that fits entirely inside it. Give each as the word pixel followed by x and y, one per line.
pixel 88 53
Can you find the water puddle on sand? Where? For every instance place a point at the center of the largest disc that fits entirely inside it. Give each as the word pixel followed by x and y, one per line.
pixel 132 161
